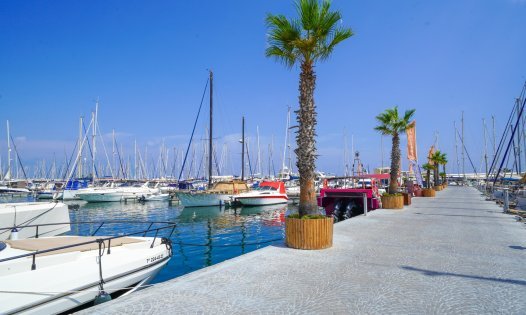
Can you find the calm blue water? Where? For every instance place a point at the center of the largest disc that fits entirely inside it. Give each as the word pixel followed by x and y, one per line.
pixel 221 233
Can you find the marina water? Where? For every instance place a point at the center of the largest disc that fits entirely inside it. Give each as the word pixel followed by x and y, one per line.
pixel 204 236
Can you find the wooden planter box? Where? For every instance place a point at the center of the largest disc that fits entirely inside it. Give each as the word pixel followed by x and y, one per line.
pixel 393 202
pixel 407 199
pixel 437 188
pixel 309 233
pixel 428 192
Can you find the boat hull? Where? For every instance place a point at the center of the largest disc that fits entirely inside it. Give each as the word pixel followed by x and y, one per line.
pixel 262 201
pixel 33 213
pixel 101 197
pixel 79 278
pixel 188 199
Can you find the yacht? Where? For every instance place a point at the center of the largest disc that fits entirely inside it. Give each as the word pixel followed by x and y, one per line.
pixel 21 215
pixel 220 194
pixel 267 193
pixel 52 275
pixel 120 193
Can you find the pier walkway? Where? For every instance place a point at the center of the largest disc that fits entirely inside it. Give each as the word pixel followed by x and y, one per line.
pixel 453 254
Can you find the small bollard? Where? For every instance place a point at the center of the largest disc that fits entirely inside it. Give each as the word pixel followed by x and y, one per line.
pixel 506 205
pixel 365 204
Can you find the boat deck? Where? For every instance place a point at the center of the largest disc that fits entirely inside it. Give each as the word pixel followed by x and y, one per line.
pixel 41 244
pixel 453 254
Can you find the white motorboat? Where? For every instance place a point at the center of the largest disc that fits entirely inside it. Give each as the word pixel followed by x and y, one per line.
pixel 23 214
pixel 268 193
pixel 121 193
pixel 155 197
pixel 220 194
pixel 70 271
pixel 13 190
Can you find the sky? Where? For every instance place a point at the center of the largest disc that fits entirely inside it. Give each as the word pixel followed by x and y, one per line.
pixel 147 63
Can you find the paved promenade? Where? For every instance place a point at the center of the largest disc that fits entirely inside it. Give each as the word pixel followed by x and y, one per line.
pixel 453 254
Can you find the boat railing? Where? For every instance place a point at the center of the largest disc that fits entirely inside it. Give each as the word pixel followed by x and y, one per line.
pixel 100 241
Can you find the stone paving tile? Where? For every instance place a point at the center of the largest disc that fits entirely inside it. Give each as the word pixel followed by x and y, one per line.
pixel 453 254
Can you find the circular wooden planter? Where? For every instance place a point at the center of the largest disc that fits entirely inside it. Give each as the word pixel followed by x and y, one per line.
pixel 428 192
pixel 418 193
pixel 393 202
pixel 309 233
pixel 437 188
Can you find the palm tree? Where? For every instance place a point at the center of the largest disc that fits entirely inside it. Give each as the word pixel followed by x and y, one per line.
pixel 392 124
pixel 428 167
pixel 444 161
pixel 305 40
pixel 436 158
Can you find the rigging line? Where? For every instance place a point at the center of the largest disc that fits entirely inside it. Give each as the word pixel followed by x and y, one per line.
pixel 68 163
pixel 496 157
pixel 193 130
pixel 469 158
pixel 22 225
pixel 509 142
pixel 89 147
pixel 120 160
pixel 18 157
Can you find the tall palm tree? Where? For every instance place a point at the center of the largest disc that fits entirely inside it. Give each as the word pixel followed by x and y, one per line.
pixel 306 40
pixel 392 124
pixel 436 158
pixel 443 159
pixel 428 167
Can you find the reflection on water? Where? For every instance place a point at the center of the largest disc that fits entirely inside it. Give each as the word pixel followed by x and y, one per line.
pixel 203 236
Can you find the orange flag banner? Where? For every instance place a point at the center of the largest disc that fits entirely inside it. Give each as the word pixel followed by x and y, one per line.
pixel 411 141
pixel 430 154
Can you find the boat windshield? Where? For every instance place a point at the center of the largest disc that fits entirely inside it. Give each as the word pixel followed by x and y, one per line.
pixel 2 246
pixel 266 188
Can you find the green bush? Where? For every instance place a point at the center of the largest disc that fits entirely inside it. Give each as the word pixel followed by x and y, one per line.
pixel 307 216
pixel 391 195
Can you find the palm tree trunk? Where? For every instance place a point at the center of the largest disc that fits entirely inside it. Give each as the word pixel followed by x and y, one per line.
pixel 306 142
pixel 428 178
pixel 435 174
pixel 395 164
pixel 445 174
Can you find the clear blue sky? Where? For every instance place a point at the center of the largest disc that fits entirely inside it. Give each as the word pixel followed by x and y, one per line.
pixel 147 61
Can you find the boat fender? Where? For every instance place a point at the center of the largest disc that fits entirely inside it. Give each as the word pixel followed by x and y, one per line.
pixel 168 243
pixel 102 297
pixel 14 234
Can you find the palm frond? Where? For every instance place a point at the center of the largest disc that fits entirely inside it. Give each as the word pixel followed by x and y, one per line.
pixel 282 35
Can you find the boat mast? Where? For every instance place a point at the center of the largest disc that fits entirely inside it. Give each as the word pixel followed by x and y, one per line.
pixel 243 148
pixel 259 153
pixel 94 135
pixel 463 157
pixel 494 138
pixel 210 131
pixel 8 173
pixel 456 146
pixel 519 168
pixel 286 140
pixel 81 136
pixel 485 148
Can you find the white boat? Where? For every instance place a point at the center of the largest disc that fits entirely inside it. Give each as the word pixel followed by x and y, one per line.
pixel 268 193
pixel 222 193
pixel 121 193
pixel 33 213
pixel 71 270
pixel 155 197
pixel 4 189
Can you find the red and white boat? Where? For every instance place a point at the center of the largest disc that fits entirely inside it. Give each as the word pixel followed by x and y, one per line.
pixel 268 193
